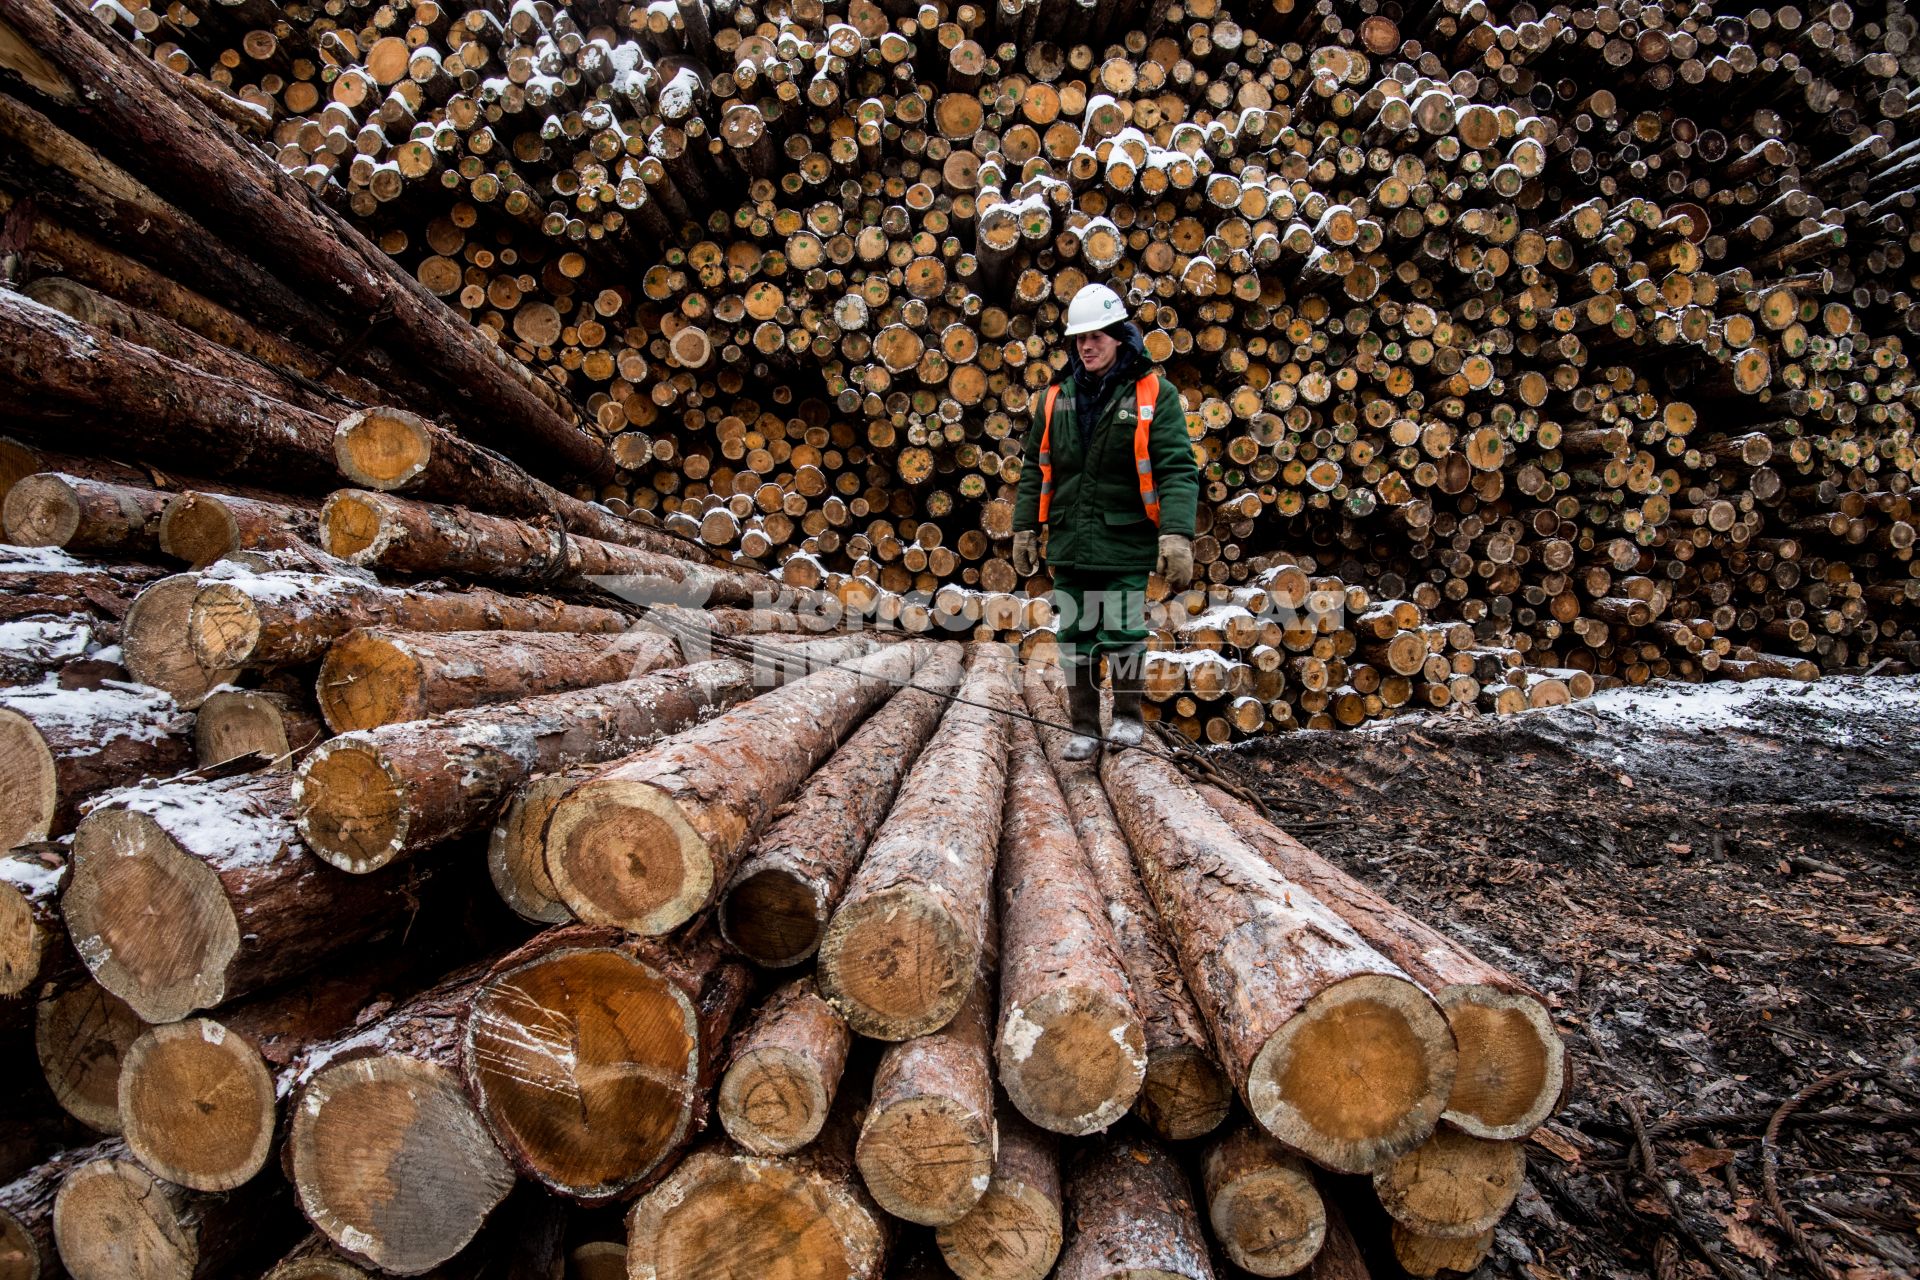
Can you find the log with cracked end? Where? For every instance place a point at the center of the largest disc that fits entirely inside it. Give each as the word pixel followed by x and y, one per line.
pixel 60 747
pixel 784 1071
pixel 369 797
pixel 26 1211
pixel 1334 1050
pixel 1185 1094
pixel 1014 1232
pixel 157 645
pixel 1132 1215
pixel 1453 1184
pixel 1513 1068
pixel 81 1034
pixel 776 907
pixel 1262 1203
pixel 904 946
pixel 1070 1049
pixel 114 1220
pixel 591 1054
pixel 647 842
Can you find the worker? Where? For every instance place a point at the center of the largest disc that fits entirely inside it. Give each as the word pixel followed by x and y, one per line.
pixel 1109 478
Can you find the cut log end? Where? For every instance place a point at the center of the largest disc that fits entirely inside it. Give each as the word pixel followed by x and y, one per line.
pixel 1015 1231
pixel 81 1036
pixel 197 1105
pixel 239 723
pixel 773 917
pixel 1452 1185
pixel 586 1064
pixel 772 1100
pixel 28 781
pixel 926 1159
pixel 157 645
pixel 351 806
pixel 517 856
pixel 621 853
pixel 1432 1255
pixel 1074 1060
pixel 896 965
pixel 199 529
pixel 367 680
pixel 1513 1064
pixel 318 1267
pixel 391 1163
pixel 1265 1209
pixel 113 1219
pixel 150 921
pixel 351 528
pixel 223 625
pixel 1359 1076
pixel 23 944
pixel 41 511
pixel 21 1255
pixel 382 448
pixel 1185 1094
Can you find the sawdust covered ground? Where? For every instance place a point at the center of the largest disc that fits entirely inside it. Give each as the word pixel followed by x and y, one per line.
pixel 1718 889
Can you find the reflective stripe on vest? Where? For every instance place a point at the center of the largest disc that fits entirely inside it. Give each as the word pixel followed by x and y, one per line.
pixel 1146 395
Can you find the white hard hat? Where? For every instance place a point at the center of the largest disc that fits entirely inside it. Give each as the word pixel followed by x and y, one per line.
pixel 1094 308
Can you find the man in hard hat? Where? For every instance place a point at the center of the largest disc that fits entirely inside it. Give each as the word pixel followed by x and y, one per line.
pixel 1111 480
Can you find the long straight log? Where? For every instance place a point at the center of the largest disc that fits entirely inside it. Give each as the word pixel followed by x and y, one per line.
pixel 649 841
pixel 1262 1203
pixel 1014 1232
pixel 377 676
pixel 1513 1064
pixel 78 514
pixel 904 946
pixel 783 1071
pixel 592 1054
pixel 1184 1094
pixel 1333 1049
pixel 59 747
pixel 201 528
pixel 192 156
pixel 1070 1050
pixel 1132 1214
pixel 367 798
pixel 776 907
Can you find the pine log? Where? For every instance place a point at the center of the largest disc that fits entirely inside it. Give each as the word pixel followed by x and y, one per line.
pixel 927 1144
pixel 728 1214
pixel 245 619
pixel 904 946
pixel 316 1259
pixel 1070 1050
pixel 193 157
pixel 517 848
pixel 1334 1050
pixel 187 895
pixel 113 1220
pixel 592 1055
pixel 386 1153
pixel 32 648
pixel 26 1212
pixel 1184 1094
pixel 366 798
pixel 59 747
pixel 33 937
pixel 45 581
pixel 1453 1184
pixel 648 841
pixel 271 727
pixel 1014 1232
pixel 1262 1204
pixel 1131 1211
pixel 77 514
pixel 376 676
pixel 775 908
pixel 200 527
pixel 1430 1255
pixel 157 644
pixel 1513 1063
pixel 1340 1257
pixel 783 1072
pixel 81 1036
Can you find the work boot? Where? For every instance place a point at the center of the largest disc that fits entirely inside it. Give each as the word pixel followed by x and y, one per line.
pixel 1083 706
pixel 1129 679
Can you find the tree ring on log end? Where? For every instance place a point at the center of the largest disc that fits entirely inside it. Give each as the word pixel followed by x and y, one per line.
pixel 41 511
pixel 112 1220
pixel 197 1105
pixel 585 1064
pixel 225 626
pixel 748 1218
pixel 517 856
pixel 382 448
pixel 391 1163
pixel 1184 1095
pixel 157 642
pixel 1358 1076
pixel 1513 1064
pixel 621 853
pixel 22 944
pixel 26 779
pixel 926 1159
pixel 1453 1185
pixel 1073 1060
pixel 351 806
pixel 896 964
pixel 197 528
pixel 80 1036
pixel 773 1100
pixel 774 917
pixel 1014 1233
pixel 150 921
pixel 352 528
pixel 368 680
pixel 1269 1221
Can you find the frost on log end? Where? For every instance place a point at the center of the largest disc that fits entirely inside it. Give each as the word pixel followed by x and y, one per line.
pixel 1132 1216
pixel 1453 1184
pixel 1014 1232
pixel 1263 1205
pixel 80 1037
pixel 784 1071
pixel 591 1055
pixel 776 907
pixel 647 843
pixel 1334 1050
pixel 1071 1052
pixel 1513 1064
pixel 197 1105
pixel 903 950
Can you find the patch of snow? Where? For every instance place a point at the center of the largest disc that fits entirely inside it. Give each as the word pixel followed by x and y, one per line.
pixel 45 639
pixel 39 560
pixel 115 710
pixel 1732 704
pixel 236 819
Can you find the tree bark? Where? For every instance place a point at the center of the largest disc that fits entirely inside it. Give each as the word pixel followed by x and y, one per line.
pixel 270 727
pixel 1184 1094
pixel 904 947
pixel 1340 1257
pixel 1262 1204
pixel 1132 1211
pixel 367 798
pixel 1014 1232
pixel 81 1035
pixel 1070 1049
pixel 783 1071
pixel 77 514
pixel 201 528
pixel 776 906
pixel 59 747
pixel 35 582
pixel 113 1219
pixel 380 675
pixel 187 895
pixel 26 1211
pixel 1453 1185
pixel 592 1054
pixel 647 842
pixel 1513 1063
pixel 1333 1049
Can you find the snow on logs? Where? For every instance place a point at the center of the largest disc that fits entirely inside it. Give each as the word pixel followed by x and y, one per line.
pixel 59 747
pixel 647 842
pixel 1333 1049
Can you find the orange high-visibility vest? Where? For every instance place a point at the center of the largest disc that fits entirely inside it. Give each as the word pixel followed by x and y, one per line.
pixel 1146 394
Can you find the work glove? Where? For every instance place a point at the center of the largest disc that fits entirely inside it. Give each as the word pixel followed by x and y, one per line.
pixel 1026 553
pixel 1176 561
